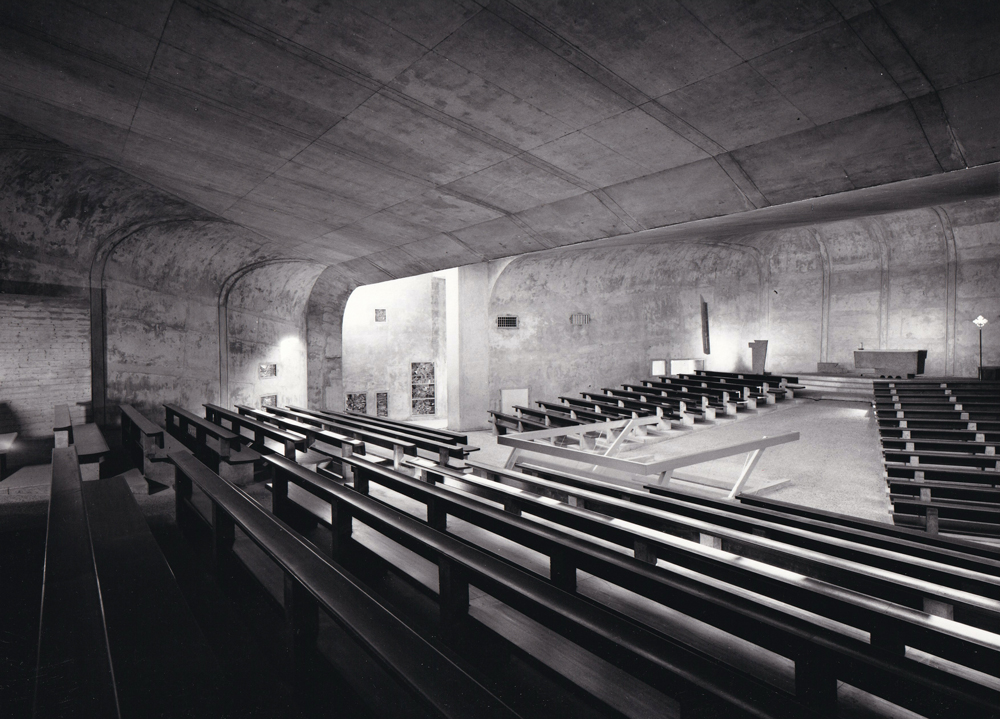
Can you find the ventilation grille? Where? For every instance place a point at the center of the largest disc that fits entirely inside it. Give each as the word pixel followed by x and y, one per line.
pixel 507 322
pixel 579 318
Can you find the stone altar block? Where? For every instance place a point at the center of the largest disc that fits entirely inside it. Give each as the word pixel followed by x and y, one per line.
pixel 890 363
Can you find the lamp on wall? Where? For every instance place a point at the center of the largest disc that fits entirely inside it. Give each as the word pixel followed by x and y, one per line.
pixel 980 322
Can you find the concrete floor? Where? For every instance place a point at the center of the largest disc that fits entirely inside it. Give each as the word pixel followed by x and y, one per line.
pixel 835 465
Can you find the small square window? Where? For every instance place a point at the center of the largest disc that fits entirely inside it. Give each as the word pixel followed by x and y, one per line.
pixel 380 315
pixel 269 400
pixel 357 402
pixel 266 371
pixel 382 404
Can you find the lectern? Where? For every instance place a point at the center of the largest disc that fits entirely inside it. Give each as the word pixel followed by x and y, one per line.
pixel 759 348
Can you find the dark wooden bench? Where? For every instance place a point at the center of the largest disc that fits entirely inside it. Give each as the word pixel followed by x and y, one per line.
pixel 74 676
pixel 313 583
pixel 400 447
pixel 771 379
pixel 290 441
pixel 784 633
pixel 224 454
pixel 91 449
pixel 728 397
pixel 748 388
pixel 502 423
pixel 140 437
pixel 442 450
pixel 810 553
pixel 586 410
pixel 548 417
pixel 314 433
pixel 632 409
pixel 162 664
pixel 697 682
pixel 921 457
pixel 442 435
pixel 934 515
pixel 62 426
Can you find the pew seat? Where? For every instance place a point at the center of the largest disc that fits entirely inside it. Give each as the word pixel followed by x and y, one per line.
pixel 90 448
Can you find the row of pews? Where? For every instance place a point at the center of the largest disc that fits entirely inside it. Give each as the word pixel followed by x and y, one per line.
pixel 116 636
pixel 448 572
pixel 681 399
pixel 939 445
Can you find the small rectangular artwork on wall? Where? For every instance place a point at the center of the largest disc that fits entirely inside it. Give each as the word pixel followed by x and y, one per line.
pixel 357 402
pixel 269 400
pixel 266 371
pixel 382 404
pixel 422 393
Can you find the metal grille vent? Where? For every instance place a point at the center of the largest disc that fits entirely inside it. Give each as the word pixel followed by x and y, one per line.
pixel 507 322
pixel 579 318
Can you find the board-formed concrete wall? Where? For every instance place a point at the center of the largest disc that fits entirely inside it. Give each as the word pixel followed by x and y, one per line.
pixel 153 267
pixel 909 280
pixel 644 304
pixel 378 355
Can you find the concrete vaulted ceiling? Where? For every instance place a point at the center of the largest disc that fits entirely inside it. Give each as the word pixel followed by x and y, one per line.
pixel 414 136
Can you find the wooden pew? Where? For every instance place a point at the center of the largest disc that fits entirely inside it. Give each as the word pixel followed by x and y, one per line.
pixel 549 418
pixel 62 426
pixel 290 441
pixel 313 584
pixel 696 682
pixel 141 439
pixel 224 454
pixel 400 446
pixel 91 449
pixel 502 423
pixel 163 666
pixel 782 632
pixel 321 441
pixel 442 435
pixel 74 676
pixel 441 449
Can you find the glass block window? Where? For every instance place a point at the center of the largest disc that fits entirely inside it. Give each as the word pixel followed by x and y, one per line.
pixel 266 371
pixel 380 315
pixel 422 387
pixel 269 400
pixel 507 322
pixel 357 402
pixel 382 404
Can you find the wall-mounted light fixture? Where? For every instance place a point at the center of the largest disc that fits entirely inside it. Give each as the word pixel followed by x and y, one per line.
pixel 980 322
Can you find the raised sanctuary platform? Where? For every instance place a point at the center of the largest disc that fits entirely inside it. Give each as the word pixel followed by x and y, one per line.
pixel 899 364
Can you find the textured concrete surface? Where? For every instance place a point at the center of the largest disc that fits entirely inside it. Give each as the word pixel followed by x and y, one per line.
pixel 344 130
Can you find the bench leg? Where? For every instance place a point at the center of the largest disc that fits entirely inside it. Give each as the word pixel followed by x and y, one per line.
pixel 182 496
pixel 279 495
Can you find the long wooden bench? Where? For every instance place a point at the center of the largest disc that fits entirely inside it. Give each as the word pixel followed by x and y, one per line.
pixel 291 441
pixel 91 449
pixel 74 675
pixel 62 426
pixel 330 441
pixel 313 583
pixel 442 435
pixel 162 664
pixel 719 394
pixel 502 423
pixel 695 681
pixel 784 633
pixel 224 454
pixel 548 417
pixel 440 449
pixel 400 447
pixel 141 439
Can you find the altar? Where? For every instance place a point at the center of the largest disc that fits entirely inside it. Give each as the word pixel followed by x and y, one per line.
pixel 890 363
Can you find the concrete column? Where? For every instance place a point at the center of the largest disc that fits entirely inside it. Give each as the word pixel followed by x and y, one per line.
pixel 468 296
